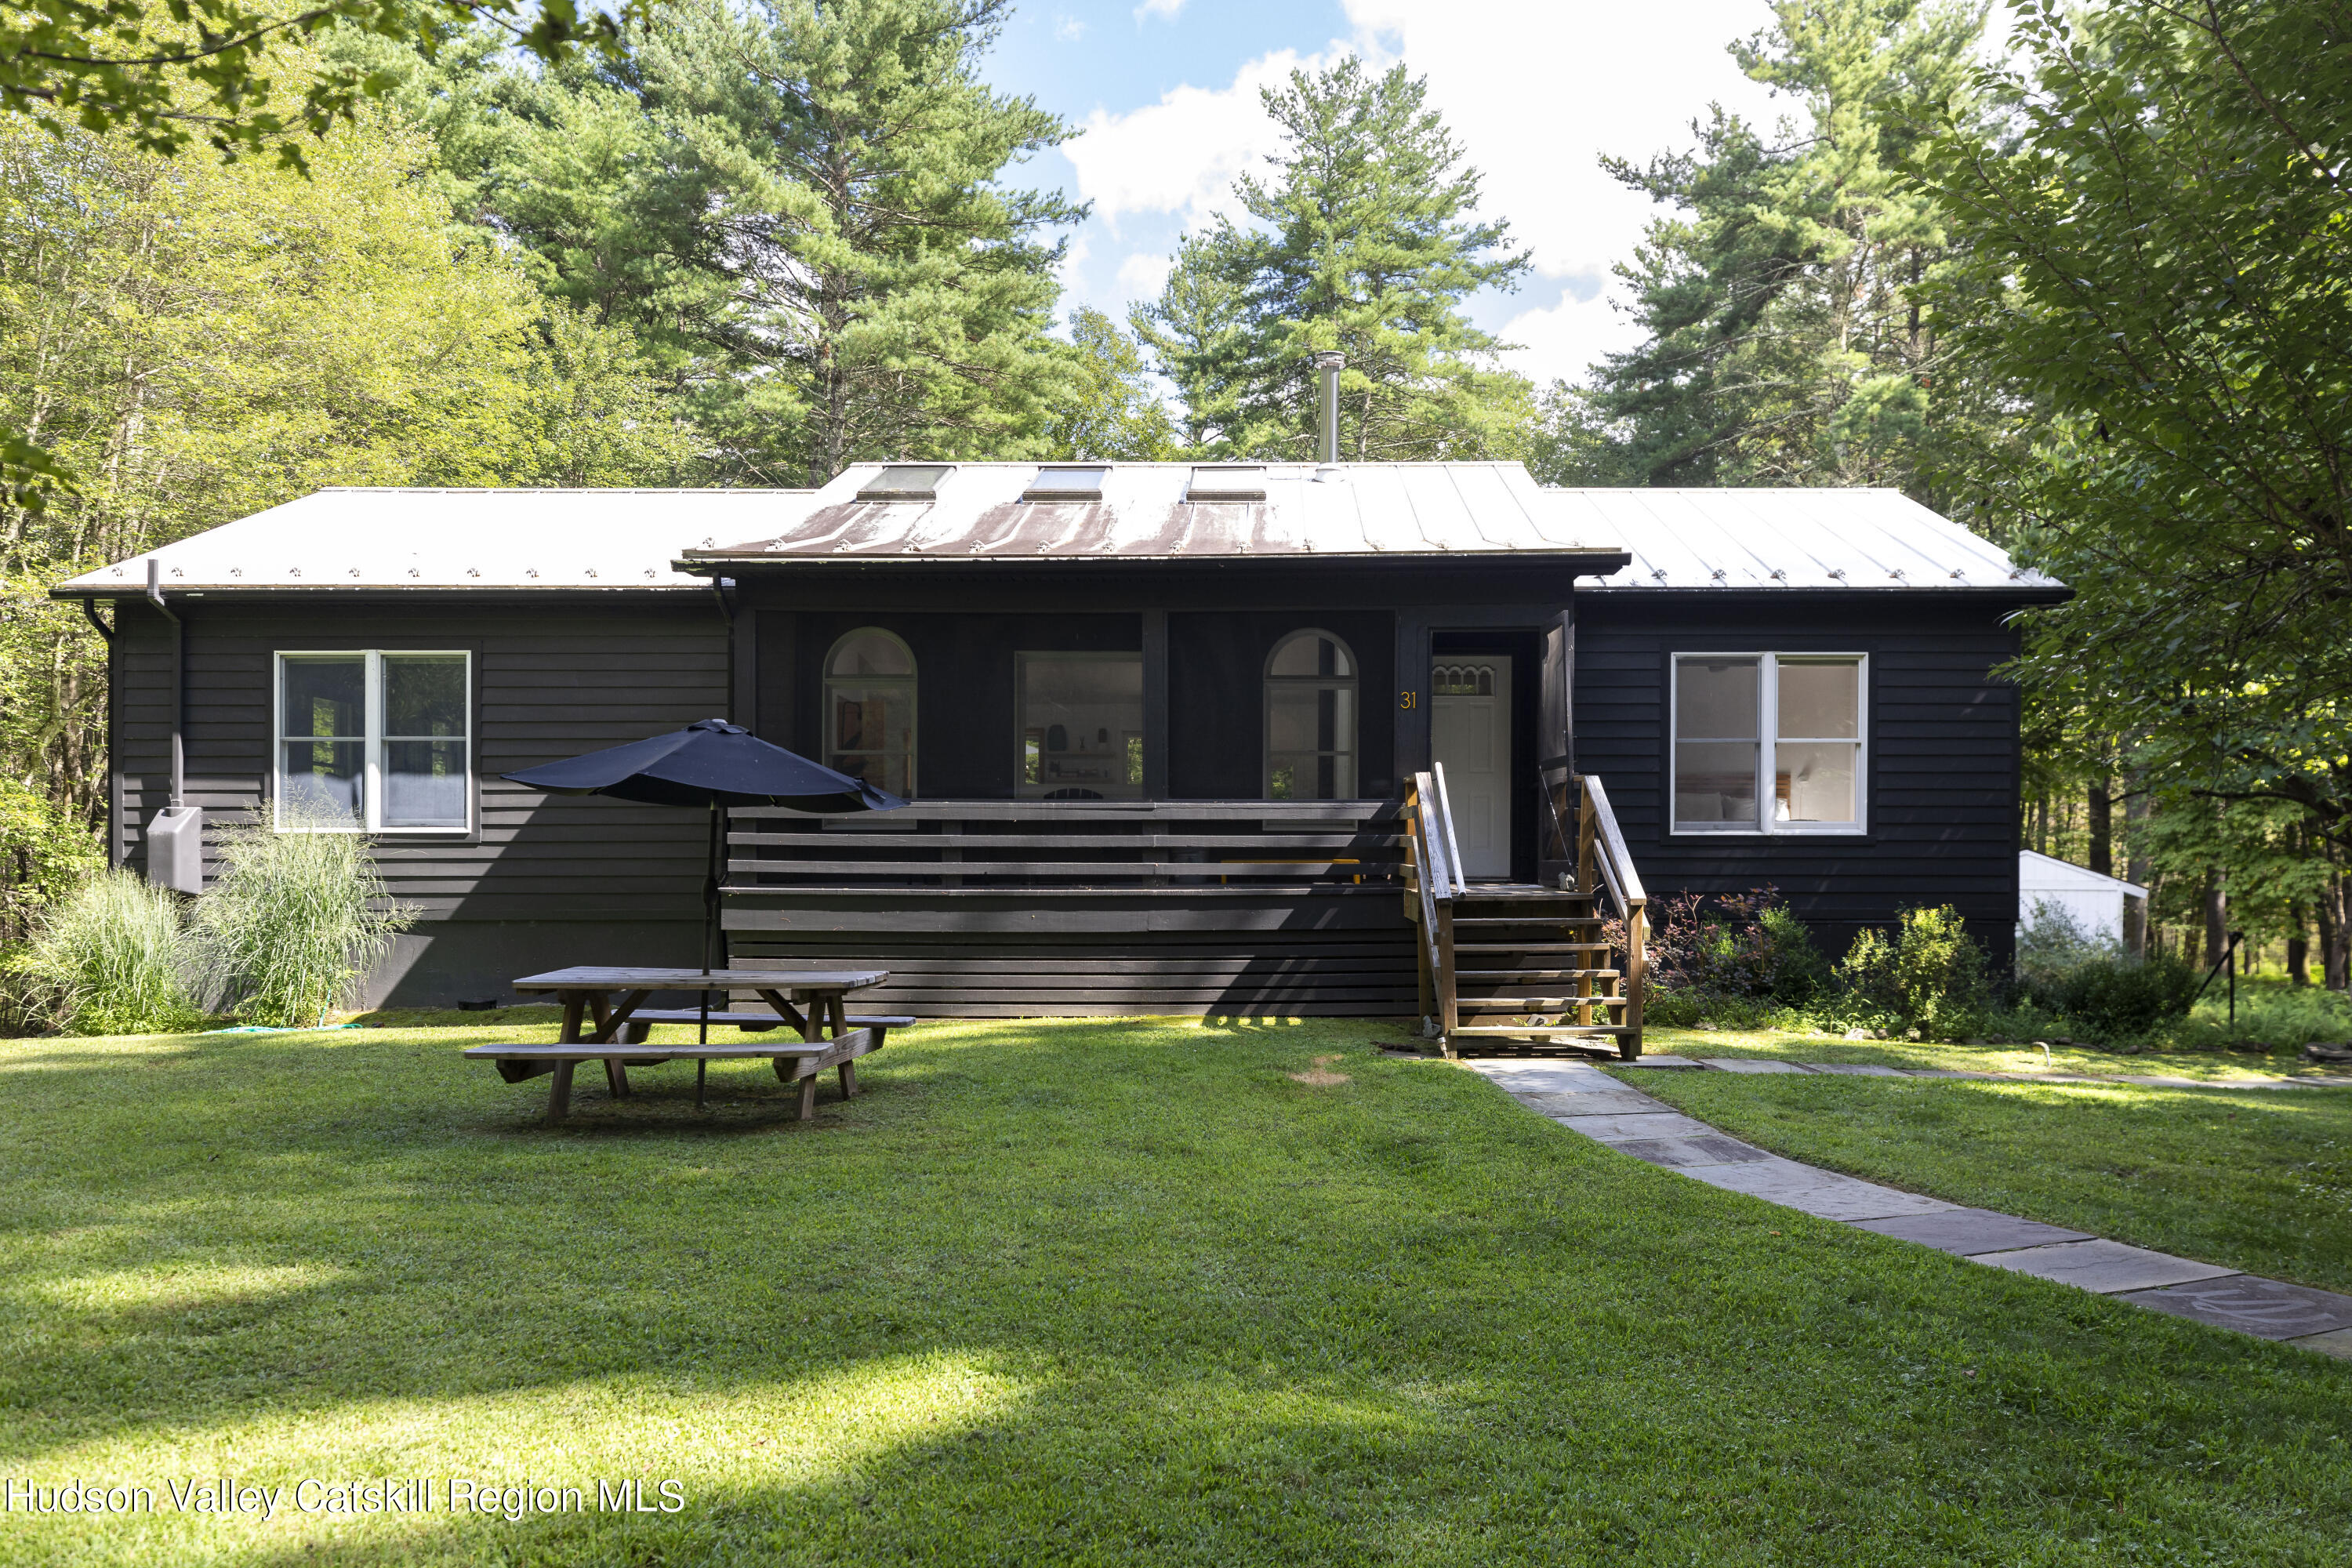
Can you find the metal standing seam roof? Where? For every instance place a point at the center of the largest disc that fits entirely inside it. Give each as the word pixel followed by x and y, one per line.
pixel 1366 510
pixel 572 540
pixel 611 540
pixel 1792 537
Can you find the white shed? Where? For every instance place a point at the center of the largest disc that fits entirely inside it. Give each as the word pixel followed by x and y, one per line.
pixel 2096 900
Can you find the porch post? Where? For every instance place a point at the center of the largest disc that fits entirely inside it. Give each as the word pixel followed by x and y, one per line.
pixel 1410 701
pixel 1155 705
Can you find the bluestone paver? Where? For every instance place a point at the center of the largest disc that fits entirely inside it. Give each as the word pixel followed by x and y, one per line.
pixel 1624 1102
pixel 2267 1309
pixel 1743 1064
pixel 2107 1267
pixel 1964 1232
pixel 1713 1149
pixel 2337 1343
pixel 1860 1070
pixel 1822 1193
pixel 1664 1062
pixel 1651 1124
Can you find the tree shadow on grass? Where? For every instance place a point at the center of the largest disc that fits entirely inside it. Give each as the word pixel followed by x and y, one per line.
pixel 1116 1295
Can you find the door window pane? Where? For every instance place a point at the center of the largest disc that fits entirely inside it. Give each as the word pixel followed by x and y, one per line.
pixel 1079 723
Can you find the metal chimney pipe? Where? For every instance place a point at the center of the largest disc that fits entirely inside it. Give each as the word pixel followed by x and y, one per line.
pixel 1329 365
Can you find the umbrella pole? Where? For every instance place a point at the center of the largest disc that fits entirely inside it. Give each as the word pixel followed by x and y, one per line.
pixel 710 925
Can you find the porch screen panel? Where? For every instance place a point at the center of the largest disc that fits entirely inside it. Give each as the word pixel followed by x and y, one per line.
pixel 426 782
pixel 1715 744
pixel 870 710
pixel 1078 725
pixel 1310 719
pixel 1816 741
pixel 322 737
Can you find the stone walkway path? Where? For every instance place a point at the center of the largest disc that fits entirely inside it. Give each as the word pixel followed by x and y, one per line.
pixel 1585 1100
pixel 1871 1069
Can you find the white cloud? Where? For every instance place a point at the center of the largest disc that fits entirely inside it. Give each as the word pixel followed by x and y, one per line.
pixel 1166 9
pixel 1180 155
pixel 1535 93
pixel 1142 275
pixel 1069 29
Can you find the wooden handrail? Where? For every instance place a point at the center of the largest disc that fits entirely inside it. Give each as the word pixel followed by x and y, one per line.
pixel 1445 821
pixel 1613 840
pixel 1601 849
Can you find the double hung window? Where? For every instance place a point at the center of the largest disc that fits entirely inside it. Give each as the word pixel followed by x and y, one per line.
pixel 1768 742
pixel 375 740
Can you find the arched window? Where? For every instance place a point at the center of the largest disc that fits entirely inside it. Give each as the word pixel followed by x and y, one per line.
pixel 1310 719
pixel 869 710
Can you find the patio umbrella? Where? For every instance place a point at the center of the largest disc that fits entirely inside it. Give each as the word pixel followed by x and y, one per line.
pixel 713 764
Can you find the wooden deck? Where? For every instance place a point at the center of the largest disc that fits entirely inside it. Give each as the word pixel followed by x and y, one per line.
pixel 995 909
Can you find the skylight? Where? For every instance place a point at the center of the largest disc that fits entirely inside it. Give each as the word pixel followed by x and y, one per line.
pixel 1081 483
pixel 1227 482
pixel 906 481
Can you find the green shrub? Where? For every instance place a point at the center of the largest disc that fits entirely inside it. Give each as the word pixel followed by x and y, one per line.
pixel 2112 998
pixel 1929 976
pixel 112 958
pixel 1727 955
pixel 292 921
pixel 2053 944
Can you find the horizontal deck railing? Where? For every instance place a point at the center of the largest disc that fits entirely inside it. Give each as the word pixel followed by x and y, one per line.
pixel 1135 844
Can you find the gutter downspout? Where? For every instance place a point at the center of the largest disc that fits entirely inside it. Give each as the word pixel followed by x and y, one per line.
pixel 179 682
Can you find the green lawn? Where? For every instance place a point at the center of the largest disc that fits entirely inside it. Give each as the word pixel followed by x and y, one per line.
pixel 2214 1067
pixel 2257 1179
pixel 1059 1293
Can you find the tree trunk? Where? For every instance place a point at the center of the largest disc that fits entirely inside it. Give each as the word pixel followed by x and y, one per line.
pixel 2334 941
pixel 2135 870
pixel 2103 805
pixel 2216 903
pixel 2298 945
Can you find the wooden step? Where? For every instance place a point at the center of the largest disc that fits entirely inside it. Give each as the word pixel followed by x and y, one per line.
pixel 1531 947
pixel 1541 1031
pixel 1532 974
pixel 1461 920
pixel 1533 1003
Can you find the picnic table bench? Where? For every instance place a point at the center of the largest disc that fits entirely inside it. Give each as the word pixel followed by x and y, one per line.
pixel 811 1001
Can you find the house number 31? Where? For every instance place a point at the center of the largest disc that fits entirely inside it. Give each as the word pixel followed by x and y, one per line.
pixel 1408 699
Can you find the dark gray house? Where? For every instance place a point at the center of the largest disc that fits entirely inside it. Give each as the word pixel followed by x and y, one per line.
pixel 1156 719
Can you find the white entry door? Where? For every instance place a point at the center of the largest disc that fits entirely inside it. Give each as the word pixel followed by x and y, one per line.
pixel 1470 733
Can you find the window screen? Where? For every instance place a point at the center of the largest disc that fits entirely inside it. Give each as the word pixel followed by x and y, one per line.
pixel 1078 722
pixel 870 710
pixel 1310 719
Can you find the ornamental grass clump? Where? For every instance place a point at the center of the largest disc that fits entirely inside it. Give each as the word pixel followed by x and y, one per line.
pixel 293 921
pixel 112 958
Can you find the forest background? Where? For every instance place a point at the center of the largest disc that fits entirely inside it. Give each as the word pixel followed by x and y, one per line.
pixel 2090 294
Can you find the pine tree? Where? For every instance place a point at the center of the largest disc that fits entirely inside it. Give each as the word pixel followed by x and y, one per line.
pixel 1785 342
pixel 1108 410
pixel 1366 243
pixel 886 296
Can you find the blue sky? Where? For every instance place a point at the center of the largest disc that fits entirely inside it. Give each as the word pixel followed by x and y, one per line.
pixel 1166 91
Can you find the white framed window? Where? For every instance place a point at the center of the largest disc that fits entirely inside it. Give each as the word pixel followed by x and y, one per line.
pixel 1310 718
pixel 1768 742
pixel 869 710
pixel 374 740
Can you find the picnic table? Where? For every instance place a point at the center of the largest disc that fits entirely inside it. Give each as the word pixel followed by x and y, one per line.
pixel 813 1003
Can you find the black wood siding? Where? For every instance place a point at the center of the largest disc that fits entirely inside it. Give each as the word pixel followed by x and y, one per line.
pixel 1942 768
pixel 591 877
